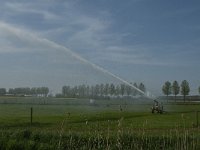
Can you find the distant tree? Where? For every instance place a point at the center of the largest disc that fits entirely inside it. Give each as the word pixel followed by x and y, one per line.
pixel 142 87
pixel 11 91
pixel 26 91
pixel 81 90
pixel 122 89
pixel 2 91
pixel 33 91
pixel 101 89
pixel 106 89
pixel 87 91
pixel 45 91
pixel 78 90
pixel 39 91
pixel 175 89
pixel 199 89
pixel 117 90
pixel 96 90
pixel 75 91
pixel 185 88
pixel 166 89
pixel 19 91
pixel 92 91
pixel 135 92
pixel 128 89
pixel 112 89
pixel 66 91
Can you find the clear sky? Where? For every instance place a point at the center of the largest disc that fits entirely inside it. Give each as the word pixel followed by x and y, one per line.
pixel 149 41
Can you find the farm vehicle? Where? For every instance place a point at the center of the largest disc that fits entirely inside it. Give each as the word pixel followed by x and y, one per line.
pixel 157 107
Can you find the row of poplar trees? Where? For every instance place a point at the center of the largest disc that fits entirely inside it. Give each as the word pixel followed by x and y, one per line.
pixel 175 89
pixel 102 90
pixel 22 91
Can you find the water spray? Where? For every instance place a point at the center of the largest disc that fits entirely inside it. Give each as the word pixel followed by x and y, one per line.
pixel 97 67
pixel 54 45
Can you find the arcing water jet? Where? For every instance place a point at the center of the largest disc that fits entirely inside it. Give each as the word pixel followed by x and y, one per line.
pixel 32 37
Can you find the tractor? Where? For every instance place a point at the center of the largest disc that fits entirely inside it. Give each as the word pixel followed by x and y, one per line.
pixel 157 107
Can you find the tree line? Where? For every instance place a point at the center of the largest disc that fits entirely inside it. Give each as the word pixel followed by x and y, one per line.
pixel 22 91
pixel 101 90
pixel 175 89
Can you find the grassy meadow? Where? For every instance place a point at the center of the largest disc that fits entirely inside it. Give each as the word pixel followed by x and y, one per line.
pixel 61 123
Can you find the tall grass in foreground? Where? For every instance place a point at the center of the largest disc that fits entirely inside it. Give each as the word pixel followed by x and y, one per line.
pixel 33 140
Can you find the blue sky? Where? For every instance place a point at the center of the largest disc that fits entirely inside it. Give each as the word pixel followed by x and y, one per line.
pixel 148 41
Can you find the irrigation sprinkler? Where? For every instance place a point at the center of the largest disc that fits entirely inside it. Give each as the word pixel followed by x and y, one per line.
pixel 157 107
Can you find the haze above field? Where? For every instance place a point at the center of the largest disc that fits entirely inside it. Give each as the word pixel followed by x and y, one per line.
pixel 147 41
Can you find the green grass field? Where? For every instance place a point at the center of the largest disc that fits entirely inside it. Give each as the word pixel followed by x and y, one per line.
pixel 101 125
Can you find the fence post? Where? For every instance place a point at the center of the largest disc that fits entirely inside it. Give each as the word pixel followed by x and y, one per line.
pixel 31 115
